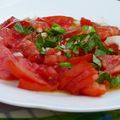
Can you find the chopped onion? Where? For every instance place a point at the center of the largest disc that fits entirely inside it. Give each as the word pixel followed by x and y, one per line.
pixel 18 54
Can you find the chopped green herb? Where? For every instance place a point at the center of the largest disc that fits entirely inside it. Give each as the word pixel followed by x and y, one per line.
pixel 51 41
pixel 23 29
pixel 39 44
pixel 104 76
pixel 75 49
pixel 68 54
pixel 69 44
pixel 65 65
pixel 115 82
pixel 99 52
pixel 58 47
pixel 96 61
pixel 87 42
pixel 56 29
pixel 88 28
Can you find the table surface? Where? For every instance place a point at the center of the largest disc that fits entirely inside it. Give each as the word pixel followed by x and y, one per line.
pixel 7 111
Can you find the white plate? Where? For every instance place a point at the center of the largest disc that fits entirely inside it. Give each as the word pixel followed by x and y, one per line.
pixel 107 10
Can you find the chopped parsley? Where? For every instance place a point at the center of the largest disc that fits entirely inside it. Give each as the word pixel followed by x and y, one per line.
pixel 23 29
pixel 65 65
pixel 114 81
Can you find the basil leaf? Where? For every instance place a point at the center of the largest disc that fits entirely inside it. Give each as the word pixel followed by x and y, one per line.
pixel 88 28
pixel 65 65
pixel 23 29
pixel 115 82
pixel 104 76
pixel 97 61
pixel 56 29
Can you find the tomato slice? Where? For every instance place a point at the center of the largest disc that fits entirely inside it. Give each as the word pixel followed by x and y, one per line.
pixel 4 72
pixel 107 31
pixel 64 21
pixel 29 85
pixel 53 57
pixel 111 64
pixel 85 21
pixel 21 72
pixel 79 83
pixel 72 33
pixel 94 90
pixel 8 22
pixel 49 74
pixel 77 60
pixel 77 70
pixel 28 49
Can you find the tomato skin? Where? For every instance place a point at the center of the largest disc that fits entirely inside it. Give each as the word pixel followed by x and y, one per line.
pixel 85 21
pixel 77 60
pixel 23 73
pixel 64 21
pixel 95 90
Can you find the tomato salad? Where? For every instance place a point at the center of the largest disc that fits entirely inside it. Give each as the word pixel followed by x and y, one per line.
pixel 60 53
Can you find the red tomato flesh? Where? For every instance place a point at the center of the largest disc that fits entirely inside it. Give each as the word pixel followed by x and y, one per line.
pixel 22 73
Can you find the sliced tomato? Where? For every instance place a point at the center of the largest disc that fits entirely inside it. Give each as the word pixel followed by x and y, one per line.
pixel 39 24
pixel 29 85
pixel 23 73
pixel 114 46
pixel 51 51
pixel 29 50
pixel 64 21
pixel 4 71
pixel 94 90
pixel 49 74
pixel 76 71
pixel 79 83
pixel 50 59
pixel 53 57
pixel 24 23
pixel 111 64
pixel 72 33
pixel 107 31
pixel 77 60
pixel 8 22
pixel 85 21
pixel 10 37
